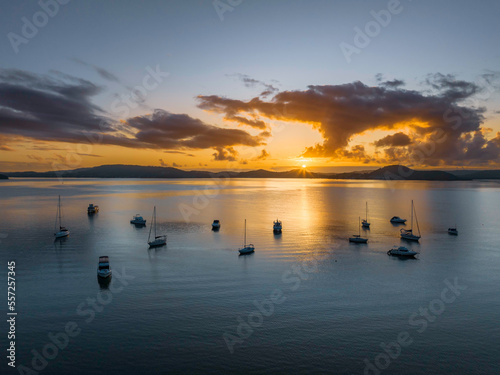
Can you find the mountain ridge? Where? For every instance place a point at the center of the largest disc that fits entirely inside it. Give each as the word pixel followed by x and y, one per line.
pixel 391 172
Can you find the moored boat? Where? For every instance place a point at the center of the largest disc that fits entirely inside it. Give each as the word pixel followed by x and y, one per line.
pixel 157 240
pixel 277 226
pixel 356 238
pixel 216 225
pixel 61 231
pixel 397 220
pixel 103 269
pixel 92 209
pixel 138 220
pixel 365 223
pixel 246 249
pixel 402 251
pixel 407 234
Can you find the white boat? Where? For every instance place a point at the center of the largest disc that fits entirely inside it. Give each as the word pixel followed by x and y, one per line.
pixel 407 234
pixel 277 226
pixel 453 231
pixel 157 240
pixel 402 251
pixel 356 238
pixel 91 209
pixel 246 249
pixel 365 223
pixel 138 220
pixel 397 220
pixel 216 225
pixel 103 270
pixel 62 231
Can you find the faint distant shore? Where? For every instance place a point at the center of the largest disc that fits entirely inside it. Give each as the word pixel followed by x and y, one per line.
pixel 393 172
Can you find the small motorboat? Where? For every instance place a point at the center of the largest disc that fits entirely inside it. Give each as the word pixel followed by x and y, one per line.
pixel 216 225
pixel 157 240
pixel 103 270
pixel 63 231
pixel 407 234
pixel 402 251
pixel 453 231
pixel 91 209
pixel 356 238
pixel 277 227
pixel 397 220
pixel 138 220
pixel 365 223
pixel 246 249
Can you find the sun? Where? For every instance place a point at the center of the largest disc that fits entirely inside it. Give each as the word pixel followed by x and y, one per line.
pixel 304 166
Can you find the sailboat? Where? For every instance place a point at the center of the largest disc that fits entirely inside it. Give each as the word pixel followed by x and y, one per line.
pixel 246 249
pixel 365 222
pixel 356 238
pixel 407 234
pixel 62 232
pixel 158 240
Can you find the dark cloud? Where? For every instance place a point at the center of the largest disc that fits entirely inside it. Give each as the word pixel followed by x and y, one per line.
pixel 59 108
pixel 225 154
pixel 394 140
pixel 340 112
pixel 177 131
pixel 395 83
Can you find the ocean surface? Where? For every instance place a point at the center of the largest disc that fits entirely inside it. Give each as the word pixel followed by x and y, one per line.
pixel 306 302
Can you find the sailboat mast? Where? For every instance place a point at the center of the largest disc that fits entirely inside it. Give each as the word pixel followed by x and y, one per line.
pixel 155 219
pixel 151 226
pixel 359 226
pixel 366 211
pixel 411 227
pixel 245 242
pixel 59 209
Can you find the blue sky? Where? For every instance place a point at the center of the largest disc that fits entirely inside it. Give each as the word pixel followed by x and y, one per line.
pixel 289 44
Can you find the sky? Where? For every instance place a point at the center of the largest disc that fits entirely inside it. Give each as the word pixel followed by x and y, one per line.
pixel 249 84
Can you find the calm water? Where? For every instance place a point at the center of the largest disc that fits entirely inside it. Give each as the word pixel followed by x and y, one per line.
pixel 341 303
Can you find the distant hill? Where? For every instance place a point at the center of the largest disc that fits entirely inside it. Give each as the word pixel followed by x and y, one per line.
pixel 392 172
pixel 3 177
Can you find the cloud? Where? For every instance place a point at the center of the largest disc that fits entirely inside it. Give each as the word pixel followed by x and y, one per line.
pixel 107 75
pixel 395 83
pixel 59 108
pixel 225 154
pixel 251 82
pixel 5 148
pixel 178 152
pixel 179 131
pixel 263 155
pixel 395 140
pixel 339 112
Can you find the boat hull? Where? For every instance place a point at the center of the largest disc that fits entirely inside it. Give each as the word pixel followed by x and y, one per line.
pixel 358 240
pixel 157 243
pixel 104 275
pixel 402 255
pixel 410 237
pixel 135 222
pixel 246 250
pixel 62 234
